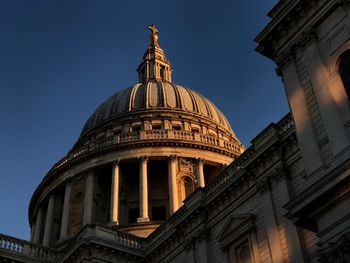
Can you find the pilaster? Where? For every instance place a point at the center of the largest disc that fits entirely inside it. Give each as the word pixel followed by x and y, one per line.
pixel 88 199
pixel 264 186
pixel 320 79
pixel 304 129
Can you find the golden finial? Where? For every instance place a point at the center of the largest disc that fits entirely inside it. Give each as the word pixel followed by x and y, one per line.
pixel 154 35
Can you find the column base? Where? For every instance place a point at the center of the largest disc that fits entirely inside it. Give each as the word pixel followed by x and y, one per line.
pixel 113 223
pixel 143 219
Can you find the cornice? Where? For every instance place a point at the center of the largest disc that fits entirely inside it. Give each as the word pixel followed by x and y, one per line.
pixel 278 34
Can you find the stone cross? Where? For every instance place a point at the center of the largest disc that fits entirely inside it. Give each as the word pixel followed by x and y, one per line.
pixel 154 35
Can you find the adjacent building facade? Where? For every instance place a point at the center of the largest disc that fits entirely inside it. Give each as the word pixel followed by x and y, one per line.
pixel 158 175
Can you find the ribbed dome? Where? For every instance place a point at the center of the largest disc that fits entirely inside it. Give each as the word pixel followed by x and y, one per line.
pixel 155 95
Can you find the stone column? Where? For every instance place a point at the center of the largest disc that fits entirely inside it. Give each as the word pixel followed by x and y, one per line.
pixel 32 232
pixel 115 194
pixel 88 199
pixel 38 225
pixel 199 172
pixel 49 220
pixel 65 212
pixel 173 193
pixel 143 191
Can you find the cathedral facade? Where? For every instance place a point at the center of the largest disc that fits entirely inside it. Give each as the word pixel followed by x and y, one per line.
pixel 158 175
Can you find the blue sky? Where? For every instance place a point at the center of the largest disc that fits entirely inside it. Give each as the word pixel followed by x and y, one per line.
pixel 61 59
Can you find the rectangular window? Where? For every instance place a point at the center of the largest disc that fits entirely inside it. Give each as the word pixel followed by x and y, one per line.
pixel 158 213
pixel 133 215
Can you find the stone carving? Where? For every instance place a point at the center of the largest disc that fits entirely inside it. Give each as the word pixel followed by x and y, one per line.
pixel 185 165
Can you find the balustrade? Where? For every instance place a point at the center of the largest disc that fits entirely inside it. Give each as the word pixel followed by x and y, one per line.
pixel 28 249
pixel 285 124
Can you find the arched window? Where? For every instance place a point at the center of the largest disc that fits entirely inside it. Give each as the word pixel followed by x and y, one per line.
pixel 186 187
pixel 189 186
pixel 344 70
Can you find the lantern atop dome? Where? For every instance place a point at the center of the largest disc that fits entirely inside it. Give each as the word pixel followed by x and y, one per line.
pixel 155 66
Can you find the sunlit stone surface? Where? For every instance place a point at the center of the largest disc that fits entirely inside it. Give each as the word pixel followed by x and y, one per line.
pixel 157 174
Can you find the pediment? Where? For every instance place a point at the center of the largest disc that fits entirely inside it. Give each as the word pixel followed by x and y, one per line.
pixel 236 226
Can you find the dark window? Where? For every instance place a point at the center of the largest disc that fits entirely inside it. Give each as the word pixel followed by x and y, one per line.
pixel 162 72
pixel 136 128
pixel 133 215
pixel 344 70
pixel 156 127
pixel 189 186
pixel 177 127
pixel 158 213
pixel 195 129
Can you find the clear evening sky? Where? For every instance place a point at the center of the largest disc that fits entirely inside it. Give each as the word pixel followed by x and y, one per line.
pixel 60 59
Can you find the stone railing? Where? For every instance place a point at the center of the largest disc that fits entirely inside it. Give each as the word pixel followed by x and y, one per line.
pixel 209 139
pixel 128 240
pixel 130 136
pixel 100 143
pixel 28 249
pixel 285 124
pixel 154 134
pixel 184 135
pixel 113 235
pixel 81 151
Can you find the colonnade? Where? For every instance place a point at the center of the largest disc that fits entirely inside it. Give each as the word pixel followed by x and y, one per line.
pixel 39 223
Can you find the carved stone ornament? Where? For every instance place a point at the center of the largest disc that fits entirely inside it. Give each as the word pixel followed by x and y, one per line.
pixel 184 165
pixel 336 252
pixel 307 37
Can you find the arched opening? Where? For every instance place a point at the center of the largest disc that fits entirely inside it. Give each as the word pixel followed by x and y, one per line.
pixel 344 70
pixel 186 187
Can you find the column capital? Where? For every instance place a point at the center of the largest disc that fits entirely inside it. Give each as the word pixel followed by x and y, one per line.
pixel 172 158
pixel 116 162
pixel 143 158
pixel 89 173
pixel 200 160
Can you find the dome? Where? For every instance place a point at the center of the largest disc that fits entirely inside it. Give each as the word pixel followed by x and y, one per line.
pixel 155 135
pixel 156 95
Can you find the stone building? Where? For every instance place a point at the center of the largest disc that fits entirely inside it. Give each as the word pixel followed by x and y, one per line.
pixel 158 175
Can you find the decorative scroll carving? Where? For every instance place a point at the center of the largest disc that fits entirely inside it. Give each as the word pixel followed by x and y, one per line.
pixel 185 166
